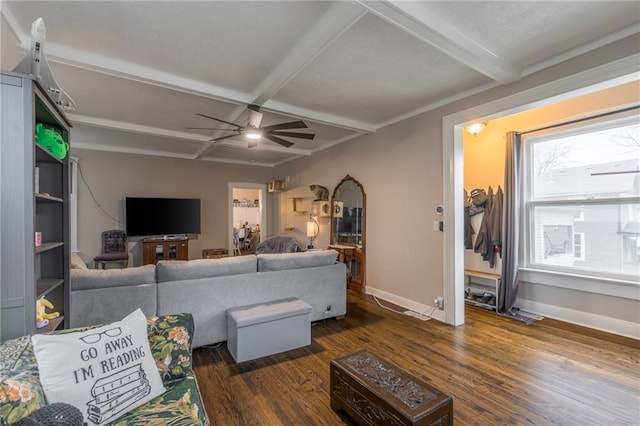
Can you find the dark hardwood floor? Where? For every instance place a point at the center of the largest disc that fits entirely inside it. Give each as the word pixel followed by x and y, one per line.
pixel 499 371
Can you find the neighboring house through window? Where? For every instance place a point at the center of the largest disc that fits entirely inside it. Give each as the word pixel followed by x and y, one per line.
pixel 582 200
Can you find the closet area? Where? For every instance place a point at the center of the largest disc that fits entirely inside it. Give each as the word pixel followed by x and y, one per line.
pixel 483 180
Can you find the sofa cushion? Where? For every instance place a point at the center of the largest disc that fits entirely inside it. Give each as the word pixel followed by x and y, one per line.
pixel 20 396
pixel 20 391
pixel 86 279
pixel 308 259
pixel 105 371
pixel 180 405
pixel 76 261
pixel 177 270
pixel 170 341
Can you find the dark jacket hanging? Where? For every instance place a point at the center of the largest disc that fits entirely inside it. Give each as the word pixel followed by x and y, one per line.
pixel 496 223
pixel 483 244
pixel 489 239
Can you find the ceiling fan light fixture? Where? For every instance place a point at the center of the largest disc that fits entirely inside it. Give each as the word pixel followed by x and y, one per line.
pixel 253 133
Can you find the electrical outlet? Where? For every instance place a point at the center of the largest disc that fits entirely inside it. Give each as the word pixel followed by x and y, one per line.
pixel 439 302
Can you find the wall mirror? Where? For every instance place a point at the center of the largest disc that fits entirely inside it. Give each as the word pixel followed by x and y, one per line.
pixel 348 215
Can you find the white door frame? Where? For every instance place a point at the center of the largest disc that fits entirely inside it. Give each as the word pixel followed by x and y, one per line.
pixel 598 78
pixel 264 226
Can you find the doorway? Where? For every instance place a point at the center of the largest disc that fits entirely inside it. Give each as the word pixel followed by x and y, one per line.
pixel 582 83
pixel 247 216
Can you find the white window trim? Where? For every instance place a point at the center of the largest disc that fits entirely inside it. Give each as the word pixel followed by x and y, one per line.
pixel 600 283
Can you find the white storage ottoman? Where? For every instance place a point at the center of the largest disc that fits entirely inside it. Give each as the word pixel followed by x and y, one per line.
pixel 268 328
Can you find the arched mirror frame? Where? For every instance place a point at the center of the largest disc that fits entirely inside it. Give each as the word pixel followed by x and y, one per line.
pixel 358 254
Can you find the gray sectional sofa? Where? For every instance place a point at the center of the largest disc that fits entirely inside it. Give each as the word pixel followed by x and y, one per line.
pixel 206 288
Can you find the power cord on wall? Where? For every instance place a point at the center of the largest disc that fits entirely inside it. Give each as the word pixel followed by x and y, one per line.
pixel 93 196
pixel 420 315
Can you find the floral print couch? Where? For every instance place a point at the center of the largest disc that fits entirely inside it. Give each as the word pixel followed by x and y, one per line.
pixel 170 339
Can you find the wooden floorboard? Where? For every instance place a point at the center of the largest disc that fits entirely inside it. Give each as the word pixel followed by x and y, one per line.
pixel 498 370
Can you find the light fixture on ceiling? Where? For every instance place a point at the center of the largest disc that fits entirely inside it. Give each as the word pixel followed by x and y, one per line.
pixel 313 229
pixel 253 133
pixel 475 128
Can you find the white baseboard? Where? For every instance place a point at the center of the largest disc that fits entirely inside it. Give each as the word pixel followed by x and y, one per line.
pixel 411 305
pixel 586 319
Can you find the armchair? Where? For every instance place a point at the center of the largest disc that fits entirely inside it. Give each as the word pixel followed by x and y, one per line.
pixel 114 249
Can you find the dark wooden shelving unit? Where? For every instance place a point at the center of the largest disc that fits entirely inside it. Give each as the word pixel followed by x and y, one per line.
pixel 31 272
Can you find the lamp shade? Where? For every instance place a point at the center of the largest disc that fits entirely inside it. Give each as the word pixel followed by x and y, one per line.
pixel 311 229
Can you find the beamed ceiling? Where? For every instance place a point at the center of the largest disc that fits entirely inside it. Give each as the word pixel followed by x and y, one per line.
pixel 140 71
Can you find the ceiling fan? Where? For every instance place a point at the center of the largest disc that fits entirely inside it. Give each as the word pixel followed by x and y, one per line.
pixel 254 132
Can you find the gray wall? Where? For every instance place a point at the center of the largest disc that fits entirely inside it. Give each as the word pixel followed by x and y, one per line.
pixel 401 169
pixel 114 176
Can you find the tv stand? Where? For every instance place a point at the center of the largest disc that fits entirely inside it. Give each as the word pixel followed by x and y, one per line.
pixel 164 248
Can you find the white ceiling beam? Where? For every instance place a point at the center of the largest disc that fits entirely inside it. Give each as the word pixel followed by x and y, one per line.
pixel 106 65
pixel 155 153
pixel 583 48
pixel 134 128
pixel 414 18
pixel 155 131
pixel 127 150
pixel 243 162
pixel 338 18
pixel 267 147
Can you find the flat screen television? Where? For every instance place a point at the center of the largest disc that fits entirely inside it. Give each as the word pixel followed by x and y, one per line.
pixel 162 216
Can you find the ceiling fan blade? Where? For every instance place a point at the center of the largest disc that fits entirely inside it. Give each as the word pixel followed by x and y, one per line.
pixel 217 119
pixel 210 128
pixel 225 137
pixel 293 134
pixel 277 140
pixel 289 125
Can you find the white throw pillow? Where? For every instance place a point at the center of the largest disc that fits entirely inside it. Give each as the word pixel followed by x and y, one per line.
pixel 105 372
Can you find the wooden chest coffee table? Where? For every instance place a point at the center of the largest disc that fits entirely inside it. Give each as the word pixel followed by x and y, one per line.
pixel 374 392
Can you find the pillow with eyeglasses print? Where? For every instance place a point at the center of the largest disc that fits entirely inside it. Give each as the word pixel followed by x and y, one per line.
pixel 105 371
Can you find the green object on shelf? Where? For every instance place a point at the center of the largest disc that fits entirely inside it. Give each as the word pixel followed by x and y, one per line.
pixel 52 141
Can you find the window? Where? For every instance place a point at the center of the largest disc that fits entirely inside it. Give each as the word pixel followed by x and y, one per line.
pixel 582 200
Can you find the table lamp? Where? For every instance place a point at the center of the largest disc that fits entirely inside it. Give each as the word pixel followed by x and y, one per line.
pixel 313 229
